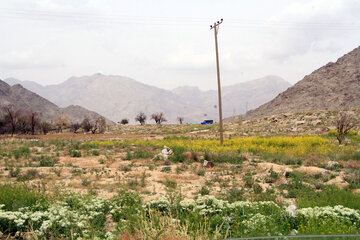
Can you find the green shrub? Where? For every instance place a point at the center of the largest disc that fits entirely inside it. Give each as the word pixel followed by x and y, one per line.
pixel 47 163
pixel 133 183
pixel 329 196
pixel 14 172
pixel 128 155
pixel 201 172
pixel 85 182
pixel 178 154
pixel 356 156
pixel 140 154
pixel 130 204
pixel 166 169
pixel 228 157
pixel 126 168
pixel 95 153
pixel 15 196
pixel 249 181
pixel 272 177
pixel 204 190
pixel 74 153
pixel 101 161
pixel 21 152
pixel 30 175
pixel 257 188
pixel 170 184
pixel 234 194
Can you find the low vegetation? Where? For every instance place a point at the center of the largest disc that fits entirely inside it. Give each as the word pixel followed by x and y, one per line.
pixel 128 189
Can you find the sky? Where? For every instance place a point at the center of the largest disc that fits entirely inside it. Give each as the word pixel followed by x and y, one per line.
pixel 168 43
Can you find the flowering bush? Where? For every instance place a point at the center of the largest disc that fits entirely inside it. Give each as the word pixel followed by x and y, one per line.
pixel 299 146
pixel 75 216
pixel 86 217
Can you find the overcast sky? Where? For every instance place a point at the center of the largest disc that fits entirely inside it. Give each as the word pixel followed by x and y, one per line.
pixel 168 43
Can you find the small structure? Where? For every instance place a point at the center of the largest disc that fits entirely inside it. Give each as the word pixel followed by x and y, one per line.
pixel 208 122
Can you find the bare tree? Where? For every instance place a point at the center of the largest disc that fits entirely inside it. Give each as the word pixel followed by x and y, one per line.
pixel 45 127
pixel 2 125
pixel 61 122
pixel 34 121
pixel 343 125
pixel 12 118
pixel 86 124
pixel 23 123
pixel 94 128
pixel 180 119
pixel 100 123
pixel 158 117
pixel 141 118
pixel 75 127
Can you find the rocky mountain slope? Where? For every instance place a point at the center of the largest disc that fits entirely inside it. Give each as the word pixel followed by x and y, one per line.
pixel 21 98
pixel 335 86
pixel 119 97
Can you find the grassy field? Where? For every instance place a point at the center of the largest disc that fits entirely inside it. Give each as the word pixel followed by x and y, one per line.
pixel 117 186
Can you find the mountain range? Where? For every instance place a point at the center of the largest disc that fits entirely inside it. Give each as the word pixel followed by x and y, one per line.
pixel 117 97
pixel 335 86
pixel 20 98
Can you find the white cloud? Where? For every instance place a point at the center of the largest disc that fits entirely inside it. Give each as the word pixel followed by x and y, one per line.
pixel 319 25
pixel 169 43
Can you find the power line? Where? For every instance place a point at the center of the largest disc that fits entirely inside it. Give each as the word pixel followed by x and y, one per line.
pixel 55 16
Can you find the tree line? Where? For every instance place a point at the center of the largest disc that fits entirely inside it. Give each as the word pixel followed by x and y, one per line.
pixel 157 117
pixel 20 121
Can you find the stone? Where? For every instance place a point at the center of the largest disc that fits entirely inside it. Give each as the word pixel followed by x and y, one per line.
pixel 287 172
pixel 323 172
pixel 332 165
pixel 316 122
pixel 299 123
pixel 208 164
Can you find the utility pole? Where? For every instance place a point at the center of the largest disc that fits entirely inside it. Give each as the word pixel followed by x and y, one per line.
pixel 216 28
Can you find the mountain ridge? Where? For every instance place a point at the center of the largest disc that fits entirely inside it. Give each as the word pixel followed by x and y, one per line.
pixel 22 98
pixel 335 86
pixel 118 97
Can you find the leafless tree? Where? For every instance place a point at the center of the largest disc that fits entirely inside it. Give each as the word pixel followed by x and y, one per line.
pixel 45 127
pixel 180 119
pixel 100 123
pixel 23 123
pixel 86 124
pixel 141 118
pixel 12 118
pixel 158 117
pixel 75 127
pixel 34 121
pixel 343 125
pixel 2 125
pixel 61 122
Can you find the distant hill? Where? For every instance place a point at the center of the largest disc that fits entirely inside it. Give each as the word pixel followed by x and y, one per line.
pixel 21 98
pixel 335 86
pixel 237 98
pixel 118 97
